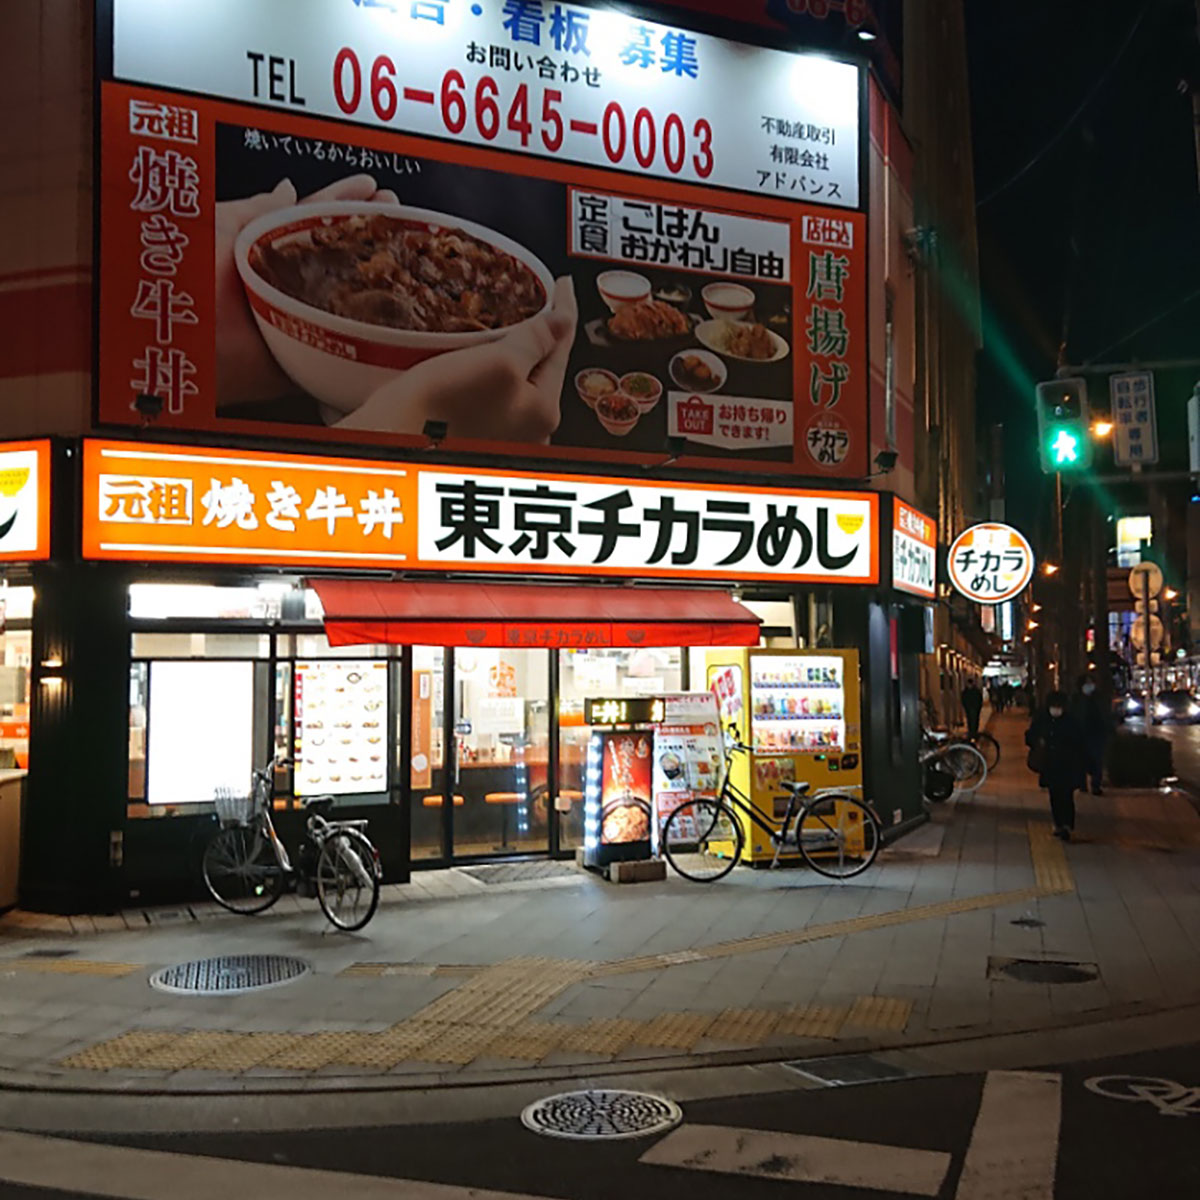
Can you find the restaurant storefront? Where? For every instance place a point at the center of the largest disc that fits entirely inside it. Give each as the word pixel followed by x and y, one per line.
pixel 443 698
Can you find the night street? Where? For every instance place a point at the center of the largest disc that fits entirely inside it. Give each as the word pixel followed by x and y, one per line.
pixel 1083 1131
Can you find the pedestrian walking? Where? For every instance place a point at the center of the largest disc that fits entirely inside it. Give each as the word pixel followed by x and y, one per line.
pixel 1095 723
pixel 972 702
pixel 1056 753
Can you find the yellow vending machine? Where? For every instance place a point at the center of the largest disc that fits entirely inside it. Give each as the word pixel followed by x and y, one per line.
pixel 799 711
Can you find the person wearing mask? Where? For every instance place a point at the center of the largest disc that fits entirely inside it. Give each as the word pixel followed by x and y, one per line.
pixel 1094 721
pixel 1056 752
pixel 972 702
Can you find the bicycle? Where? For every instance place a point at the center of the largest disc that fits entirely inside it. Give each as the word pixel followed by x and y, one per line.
pixel 835 833
pixel 987 745
pixel 246 865
pixel 963 761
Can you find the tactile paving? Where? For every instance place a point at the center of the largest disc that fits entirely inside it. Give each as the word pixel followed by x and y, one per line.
pixel 879 1012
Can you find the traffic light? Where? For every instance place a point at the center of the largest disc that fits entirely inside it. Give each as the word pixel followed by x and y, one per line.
pixel 1064 439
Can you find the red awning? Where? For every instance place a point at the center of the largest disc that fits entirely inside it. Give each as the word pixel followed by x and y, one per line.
pixel 359 611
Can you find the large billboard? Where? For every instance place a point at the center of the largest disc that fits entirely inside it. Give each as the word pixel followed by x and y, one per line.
pixel 558 231
pixel 150 502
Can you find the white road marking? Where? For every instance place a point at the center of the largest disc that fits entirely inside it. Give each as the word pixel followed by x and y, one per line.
pixel 152 1175
pixel 802 1158
pixel 1013 1153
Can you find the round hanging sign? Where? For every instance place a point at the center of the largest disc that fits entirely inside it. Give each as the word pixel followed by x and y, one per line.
pixel 990 563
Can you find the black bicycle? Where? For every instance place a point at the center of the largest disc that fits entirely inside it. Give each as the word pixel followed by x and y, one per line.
pixel 835 833
pixel 246 866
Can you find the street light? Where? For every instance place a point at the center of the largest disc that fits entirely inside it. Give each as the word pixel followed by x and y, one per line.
pixel 1049 568
pixel 1037 608
pixel 1102 428
pixel 1031 625
pixel 1170 594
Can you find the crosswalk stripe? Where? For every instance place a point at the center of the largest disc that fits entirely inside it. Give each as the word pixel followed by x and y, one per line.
pixel 126 1174
pixel 802 1158
pixel 1013 1154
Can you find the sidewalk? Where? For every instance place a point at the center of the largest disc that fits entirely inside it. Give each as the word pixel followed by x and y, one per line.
pixel 460 980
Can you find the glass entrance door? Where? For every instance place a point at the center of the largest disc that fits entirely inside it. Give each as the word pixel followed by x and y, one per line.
pixel 489 794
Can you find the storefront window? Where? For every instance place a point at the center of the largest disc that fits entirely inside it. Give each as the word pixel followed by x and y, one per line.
pixel 427 767
pixel 15 650
pixel 203 602
pixel 584 673
pixel 502 731
pixel 201 645
pixel 139 673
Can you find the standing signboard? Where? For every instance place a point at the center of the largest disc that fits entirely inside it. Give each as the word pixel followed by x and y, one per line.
pixel 990 563
pixel 561 230
pixel 1135 423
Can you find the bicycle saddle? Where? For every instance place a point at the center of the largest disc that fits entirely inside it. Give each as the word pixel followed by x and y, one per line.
pixel 797 789
pixel 936 735
pixel 319 804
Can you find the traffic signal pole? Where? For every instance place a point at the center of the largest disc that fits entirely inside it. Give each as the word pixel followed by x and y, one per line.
pixel 1146 651
pixel 1064 600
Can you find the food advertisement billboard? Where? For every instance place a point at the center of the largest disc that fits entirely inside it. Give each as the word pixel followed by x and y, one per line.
pixel 550 229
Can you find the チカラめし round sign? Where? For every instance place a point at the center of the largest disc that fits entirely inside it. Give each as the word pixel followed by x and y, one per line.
pixel 990 563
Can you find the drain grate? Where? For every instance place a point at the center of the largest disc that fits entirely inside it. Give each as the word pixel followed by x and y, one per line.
pixel 49 953
pixel 521 872
pixel 601 1115
pixel 1028 922
pixel 847 1069
pixel 1040 970
pixel 229 975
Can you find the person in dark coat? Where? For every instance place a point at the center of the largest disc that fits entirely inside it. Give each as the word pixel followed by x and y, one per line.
pixel 1056 742
pixel 1095 723
pixel 972 702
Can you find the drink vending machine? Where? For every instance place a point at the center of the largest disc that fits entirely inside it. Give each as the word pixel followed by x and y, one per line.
pixel 798 711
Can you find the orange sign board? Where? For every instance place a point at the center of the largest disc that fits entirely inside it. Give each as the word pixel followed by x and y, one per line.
pixel 154 502
pixel 24 501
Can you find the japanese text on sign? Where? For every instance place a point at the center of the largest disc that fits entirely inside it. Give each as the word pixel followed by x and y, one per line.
pixel 990 563
pixel 914 551
pixel 673 235
pixel 564 81
pixel 1135 421
pixel 198 505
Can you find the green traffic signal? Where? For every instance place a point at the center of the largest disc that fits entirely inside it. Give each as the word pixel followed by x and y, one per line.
pixel 1064 449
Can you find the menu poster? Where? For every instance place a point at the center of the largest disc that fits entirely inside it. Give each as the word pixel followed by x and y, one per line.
pixel 687 753
pixel 726 686
pixel 625 788
pixel 341 727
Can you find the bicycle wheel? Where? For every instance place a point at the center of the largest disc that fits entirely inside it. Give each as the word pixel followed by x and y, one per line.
pixel 702 840
pixel 241 870
pixel 348 879
pixel 839 835
pixel 989 748
pixel 966 764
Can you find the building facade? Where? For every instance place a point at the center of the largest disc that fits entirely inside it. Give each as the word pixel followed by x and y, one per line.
pixel 734 369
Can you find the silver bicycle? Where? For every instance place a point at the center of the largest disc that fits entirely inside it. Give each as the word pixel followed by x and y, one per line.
pixel 246 866
pixel 959 758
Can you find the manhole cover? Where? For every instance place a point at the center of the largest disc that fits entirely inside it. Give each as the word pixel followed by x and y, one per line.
pixel 1039 970
pixel 521 872
pixel 849 1069
pixel 229 975
pixel 596 1115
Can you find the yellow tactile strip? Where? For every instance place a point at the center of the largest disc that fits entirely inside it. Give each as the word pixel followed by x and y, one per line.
pixel 491 1014
pixel 443 1043
pixel 1050 867
pixel 69 966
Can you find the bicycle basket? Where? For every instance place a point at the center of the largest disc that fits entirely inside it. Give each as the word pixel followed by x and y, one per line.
pixel 233 808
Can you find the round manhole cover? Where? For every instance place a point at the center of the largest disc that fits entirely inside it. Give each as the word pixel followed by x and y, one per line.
pixel 601 1114
pixel 1034 971
pixel 229 975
